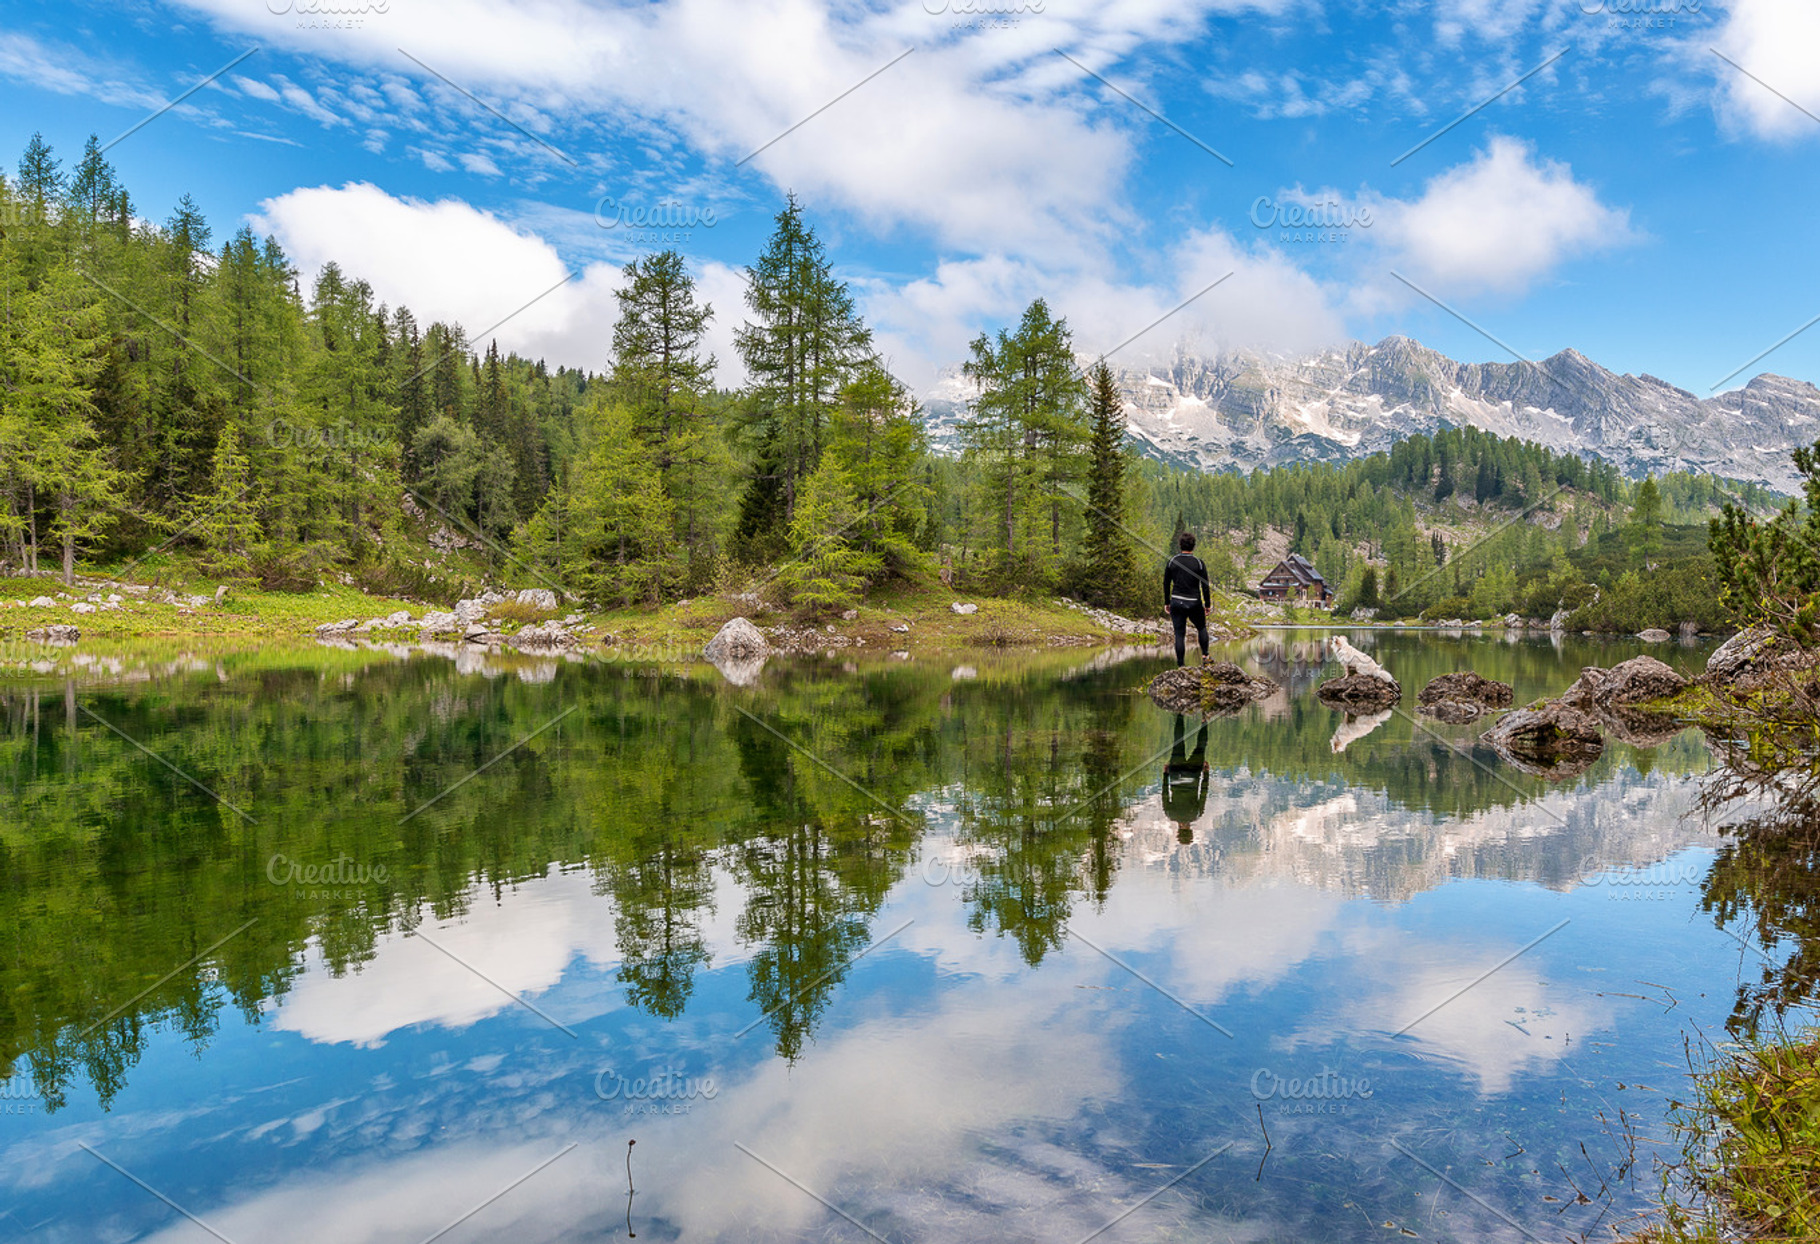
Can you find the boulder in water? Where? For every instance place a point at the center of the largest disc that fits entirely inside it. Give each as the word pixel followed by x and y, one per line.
pixel 1360 693
pixel 1218 688
pixel 738 640
pixel 1455 712
pixel 1463 696
pixel 56 633
pixel 1579 697
pixel 1754 651
pixel 1636 681
pixel 1654 635
pixel 1548 739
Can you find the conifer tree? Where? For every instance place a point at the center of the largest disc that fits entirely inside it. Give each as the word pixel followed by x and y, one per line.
pixel 1108 573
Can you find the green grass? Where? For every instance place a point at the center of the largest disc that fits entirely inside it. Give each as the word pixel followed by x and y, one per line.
pixel 1751 1144
pixel 677 629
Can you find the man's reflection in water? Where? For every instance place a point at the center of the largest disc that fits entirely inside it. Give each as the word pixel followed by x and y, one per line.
pixel 1185 780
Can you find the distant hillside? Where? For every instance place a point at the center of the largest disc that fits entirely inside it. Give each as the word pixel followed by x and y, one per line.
pixel 1248 410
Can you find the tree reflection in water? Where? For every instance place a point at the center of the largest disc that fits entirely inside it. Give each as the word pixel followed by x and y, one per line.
pixel 664 786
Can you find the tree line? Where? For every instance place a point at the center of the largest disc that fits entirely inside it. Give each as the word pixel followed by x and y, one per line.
pixel 159 390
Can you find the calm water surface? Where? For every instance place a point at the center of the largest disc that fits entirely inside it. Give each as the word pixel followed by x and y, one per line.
pixel 359 945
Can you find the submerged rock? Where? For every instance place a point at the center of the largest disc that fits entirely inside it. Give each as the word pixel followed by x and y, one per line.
pixel 1455 712
pixel 1636 681
pixel 1549 739
pixel 1360 693
pixel 738 640
pixel 1463 696
pixel 1654 635
pixel 1218 688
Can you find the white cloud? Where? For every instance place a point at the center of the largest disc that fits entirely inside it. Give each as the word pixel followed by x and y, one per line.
pixel 450 261
pixel 981 142
pixel 67 71
pixel 256 88
pixel 1778 43
pixel 1494 225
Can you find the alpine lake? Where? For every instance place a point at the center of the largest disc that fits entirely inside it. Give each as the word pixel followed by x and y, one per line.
pixel 363 944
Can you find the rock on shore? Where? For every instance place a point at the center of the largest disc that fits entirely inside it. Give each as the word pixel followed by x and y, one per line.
pixel 738 640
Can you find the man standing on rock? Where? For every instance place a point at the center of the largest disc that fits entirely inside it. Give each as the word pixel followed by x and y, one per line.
pixel 1186 597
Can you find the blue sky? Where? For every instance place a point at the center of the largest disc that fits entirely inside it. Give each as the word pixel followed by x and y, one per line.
pixel 1640 197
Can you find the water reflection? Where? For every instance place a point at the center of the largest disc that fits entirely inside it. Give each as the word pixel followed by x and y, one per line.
pixel 847 895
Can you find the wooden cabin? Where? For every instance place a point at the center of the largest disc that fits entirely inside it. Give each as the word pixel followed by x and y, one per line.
pixel 1295 578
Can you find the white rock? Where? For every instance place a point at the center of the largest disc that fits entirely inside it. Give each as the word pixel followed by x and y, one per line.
pixel 737 640
pixel 538 598
pixel 82 606
pixel 43 602
pixel 960 608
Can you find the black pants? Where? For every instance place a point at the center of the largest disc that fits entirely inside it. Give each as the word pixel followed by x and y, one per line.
pixel 1181 616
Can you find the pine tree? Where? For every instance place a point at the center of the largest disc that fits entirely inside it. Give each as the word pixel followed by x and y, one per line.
pixel 1108 574
pixel 800 350
pixel 1026 434
pixel 877 441
pixel 225 520
pixel 663 374
pixel 622 514
pixel 827 568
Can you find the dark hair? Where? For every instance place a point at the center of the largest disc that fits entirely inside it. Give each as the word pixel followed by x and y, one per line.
pixel 1186 541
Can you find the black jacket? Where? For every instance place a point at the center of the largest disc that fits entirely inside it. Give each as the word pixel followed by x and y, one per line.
pixel 1185 581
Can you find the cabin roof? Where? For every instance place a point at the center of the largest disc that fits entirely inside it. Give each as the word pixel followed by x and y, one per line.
pixel 1297 569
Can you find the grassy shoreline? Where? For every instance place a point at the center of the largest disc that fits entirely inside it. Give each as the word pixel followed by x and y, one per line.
pixel 189 609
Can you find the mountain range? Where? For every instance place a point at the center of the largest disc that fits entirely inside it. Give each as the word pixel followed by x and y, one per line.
pixel 1243 410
